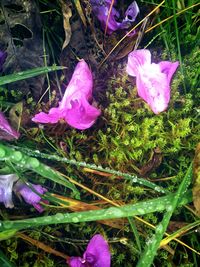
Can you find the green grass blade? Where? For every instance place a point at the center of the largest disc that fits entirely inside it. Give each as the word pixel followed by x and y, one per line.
pixel 27 74
pixel 24 162
pixel 4 262
pixel 141 208
pixel 153 243
pixel 127 176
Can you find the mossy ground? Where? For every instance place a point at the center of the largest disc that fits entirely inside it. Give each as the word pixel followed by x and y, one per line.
pixel 127 137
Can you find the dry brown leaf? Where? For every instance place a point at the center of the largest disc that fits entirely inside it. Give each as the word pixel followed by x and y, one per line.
pixel 196 186
pixel 67 13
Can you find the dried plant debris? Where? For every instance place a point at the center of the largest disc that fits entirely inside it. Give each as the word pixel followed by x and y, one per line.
pixel 21 38
pixel 196 186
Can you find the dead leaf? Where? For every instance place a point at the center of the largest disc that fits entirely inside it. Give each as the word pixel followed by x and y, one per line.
pixel 67 13
pixel 80 11
pixel 196 185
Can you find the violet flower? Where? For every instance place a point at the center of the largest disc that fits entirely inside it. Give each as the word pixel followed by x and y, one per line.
pixel 74 108
pixel 3 56
pixel 152 80
pixel 97 254
pixel 29 196
pixel 6 131
pixel 101 11
pixel 6 187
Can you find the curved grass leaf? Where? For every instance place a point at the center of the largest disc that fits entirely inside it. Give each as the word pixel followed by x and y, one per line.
pixel 24 162
pixel 141 208
pixel 154 242
pixel 127 176
pixel 27 74
pixel 4 262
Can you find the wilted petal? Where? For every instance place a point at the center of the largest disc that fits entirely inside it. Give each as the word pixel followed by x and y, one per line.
pixel 74 108
pixel 6 187
pixel 6 131
pixel 3 56
pixel 130 15
pixel 29 196
pixel 81 83
pixel 152 80
pixel 136 60
pixel 168 68
pixel 82 115
pixel 97 252
pixel 54 115
pixel 77 262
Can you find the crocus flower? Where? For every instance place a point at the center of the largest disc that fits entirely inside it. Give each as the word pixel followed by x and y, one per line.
pixel 3 56
pixel 6 187
pixel 29 196
pixel 101 11
pixel 74 108
pixel 6 131
pixel 152 80
pixel 97 254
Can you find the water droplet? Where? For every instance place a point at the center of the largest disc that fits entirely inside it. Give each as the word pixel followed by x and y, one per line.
pixel 17 156
pixel 159 228
pixel 8 224
pixel 134 180
pixel 33 162
pixel 75 220
pixel 60 216
pixel 141 211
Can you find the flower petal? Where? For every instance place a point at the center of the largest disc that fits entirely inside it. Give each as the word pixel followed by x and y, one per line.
pixel 54 115
pixel 29 196
pixel 6 187
pixel 136 60
pixel 76 262
pixel 97 252
pixel 3 56
pixel 6 131
pixel 81 81
pixel 168 68
pixel 132 12
pixel 82 115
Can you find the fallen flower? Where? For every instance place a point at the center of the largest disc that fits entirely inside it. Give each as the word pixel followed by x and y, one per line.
pixel 101 11
pixel 74 108
pixel 3 56
pixel 97 254
pixel 29 196
pixel 6 131
pixel 152 80
pixel 6 187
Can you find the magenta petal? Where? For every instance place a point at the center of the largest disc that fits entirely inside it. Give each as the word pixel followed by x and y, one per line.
pixel 82 115
pixel 54 115
pixel 97 252
pixel 81 82
pixel 132 12
pixel 76 262
pixel 136 60
pixel 168 68
pixel 6 131
pixel 29 196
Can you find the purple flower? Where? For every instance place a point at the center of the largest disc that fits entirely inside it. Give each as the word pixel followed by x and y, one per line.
pixel 6 131
pixel 97 254
pixel 6 187
pixel 3 56
pixel 74 108
pixel 29 196
pixel 101 11
pixel 152 80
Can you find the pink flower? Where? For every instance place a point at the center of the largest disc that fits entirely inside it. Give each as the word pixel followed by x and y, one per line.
pixel 101 10
pixel 29 196
pixel 152 80
pixel 6 187
pixel 74 108
pixel 97 254
pixel 6 131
